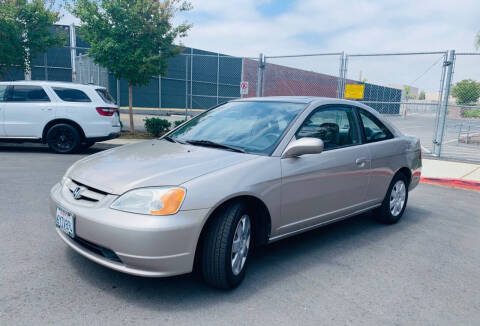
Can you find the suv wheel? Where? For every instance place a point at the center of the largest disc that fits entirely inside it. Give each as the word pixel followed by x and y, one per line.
pixel 226 247
pixel 395 201
pixel 63 138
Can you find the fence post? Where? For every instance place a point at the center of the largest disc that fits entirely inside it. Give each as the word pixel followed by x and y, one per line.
pixel 45 64
pixel 444 106
pixel 260 75
pixel 340 77
pixel 186 87
pixel 73 52
pixel 191 78
pixel 264 67
pixel 218 73
pixel 118 92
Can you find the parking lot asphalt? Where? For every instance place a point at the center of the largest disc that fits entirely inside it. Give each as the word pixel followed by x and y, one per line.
pixel 421 271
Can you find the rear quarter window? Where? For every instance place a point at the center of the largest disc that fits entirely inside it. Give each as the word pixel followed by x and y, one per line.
pixel 105 95
pixel 71 94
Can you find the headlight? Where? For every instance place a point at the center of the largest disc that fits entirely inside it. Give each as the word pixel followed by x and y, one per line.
pixel 152 201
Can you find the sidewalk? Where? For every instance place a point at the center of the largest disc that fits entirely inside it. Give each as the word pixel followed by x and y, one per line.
pixel 451 174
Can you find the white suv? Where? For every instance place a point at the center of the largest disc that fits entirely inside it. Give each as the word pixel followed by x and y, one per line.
pixel 66 116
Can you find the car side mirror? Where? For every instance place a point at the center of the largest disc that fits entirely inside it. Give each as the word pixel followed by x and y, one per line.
pixel 302 146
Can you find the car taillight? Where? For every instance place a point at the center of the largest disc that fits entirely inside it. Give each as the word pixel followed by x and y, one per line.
pixel 107 112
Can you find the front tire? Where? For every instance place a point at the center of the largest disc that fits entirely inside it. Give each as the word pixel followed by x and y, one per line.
pixel 226 247
pixel 63 138
pixel 395 202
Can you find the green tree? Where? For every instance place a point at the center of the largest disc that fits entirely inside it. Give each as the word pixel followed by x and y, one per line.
pixel 466 92
pixel 25 32
pixel 131 38
pixel 421 96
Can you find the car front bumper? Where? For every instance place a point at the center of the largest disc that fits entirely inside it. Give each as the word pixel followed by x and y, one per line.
pixel 143 245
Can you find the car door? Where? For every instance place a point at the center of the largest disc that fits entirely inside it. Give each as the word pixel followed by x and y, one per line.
pixel 3 90
pixel 385 151
pixel 26 111
pixel 319 187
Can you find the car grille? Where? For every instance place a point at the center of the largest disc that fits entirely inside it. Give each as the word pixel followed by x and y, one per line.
pixel 88 193
pixel 99 250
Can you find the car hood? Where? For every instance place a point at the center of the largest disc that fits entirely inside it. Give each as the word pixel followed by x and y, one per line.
pixel 150 163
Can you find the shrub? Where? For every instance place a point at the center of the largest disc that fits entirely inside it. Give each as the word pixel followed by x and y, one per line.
pixel 471 113
pixel 179 122
pixel 157 126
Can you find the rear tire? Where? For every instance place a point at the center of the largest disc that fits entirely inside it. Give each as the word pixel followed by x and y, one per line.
pixel 395 202
pixel 226 247
pixel 63 138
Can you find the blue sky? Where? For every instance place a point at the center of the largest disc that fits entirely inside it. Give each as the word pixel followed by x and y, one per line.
pixel 248 27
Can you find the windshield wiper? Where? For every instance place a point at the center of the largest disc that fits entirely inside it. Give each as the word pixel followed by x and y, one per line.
pixel 209 143
pixel 170 139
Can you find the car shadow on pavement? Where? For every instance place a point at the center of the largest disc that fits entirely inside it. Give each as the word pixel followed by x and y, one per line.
pixel 269 267
pixel 41 148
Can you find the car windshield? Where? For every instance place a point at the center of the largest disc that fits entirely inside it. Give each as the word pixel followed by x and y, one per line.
pixel 253 127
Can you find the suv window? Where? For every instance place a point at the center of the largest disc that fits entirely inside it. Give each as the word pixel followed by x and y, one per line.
pixel 24 93
pixel 336 126
pixel 71 95
pixel 105 95
pixel 3 90
pixel 373 129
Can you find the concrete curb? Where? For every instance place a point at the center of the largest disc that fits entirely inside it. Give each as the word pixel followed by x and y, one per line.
pixel 452 183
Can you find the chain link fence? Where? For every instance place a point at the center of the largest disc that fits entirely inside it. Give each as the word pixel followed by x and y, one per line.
pixel 431 95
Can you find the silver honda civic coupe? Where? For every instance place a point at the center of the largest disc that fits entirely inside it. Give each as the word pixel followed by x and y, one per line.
pixel 243 174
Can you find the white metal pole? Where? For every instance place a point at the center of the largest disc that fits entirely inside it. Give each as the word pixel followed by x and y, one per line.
pixel 191 77
pixel 443 112
pixel 259 75
pixel 73 52
pixel 218 72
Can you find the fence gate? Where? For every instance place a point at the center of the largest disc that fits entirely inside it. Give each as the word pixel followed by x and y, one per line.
pixel 87 72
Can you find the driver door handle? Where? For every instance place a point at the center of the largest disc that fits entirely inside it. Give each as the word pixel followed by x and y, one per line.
pixel 361 162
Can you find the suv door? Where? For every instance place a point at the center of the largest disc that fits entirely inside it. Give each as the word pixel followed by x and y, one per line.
pixel 320 187
pixel 3 91
pixel 26 111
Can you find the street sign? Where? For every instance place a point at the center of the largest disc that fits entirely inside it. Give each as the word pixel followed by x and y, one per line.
pixel 244 88
pixel 354 91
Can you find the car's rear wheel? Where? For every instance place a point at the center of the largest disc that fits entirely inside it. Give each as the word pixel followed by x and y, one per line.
pixel 226 247
pixel 395 202
pixel 63 138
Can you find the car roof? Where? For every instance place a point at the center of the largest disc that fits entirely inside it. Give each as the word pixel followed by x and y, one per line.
pixel 50 83
pixel 299 99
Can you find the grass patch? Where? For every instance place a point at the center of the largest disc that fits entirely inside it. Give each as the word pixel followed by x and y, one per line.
pixel 471 113
pixel 137 135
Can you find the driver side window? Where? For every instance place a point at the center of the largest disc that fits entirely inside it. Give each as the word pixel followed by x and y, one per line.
pixel 336 126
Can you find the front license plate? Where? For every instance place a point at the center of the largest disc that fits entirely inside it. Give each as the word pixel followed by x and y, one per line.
pixel 65 221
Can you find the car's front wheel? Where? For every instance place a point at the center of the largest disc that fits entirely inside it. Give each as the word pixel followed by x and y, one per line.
pixel 395 202
pixel 63 138
pixel 226 246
